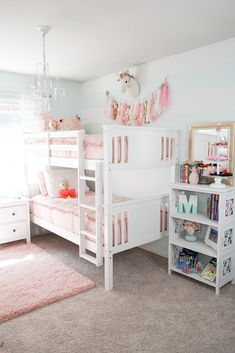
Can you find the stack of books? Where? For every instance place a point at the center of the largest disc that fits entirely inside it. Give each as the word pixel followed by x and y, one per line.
pixel 213 207
pixel 185 171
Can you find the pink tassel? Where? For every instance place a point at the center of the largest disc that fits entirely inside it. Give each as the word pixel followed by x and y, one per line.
pixel 114 107
pixel 124 108
pixel 126 120
pixel 152 112
pixel 142 114
pixel 137 120
pixel 164 96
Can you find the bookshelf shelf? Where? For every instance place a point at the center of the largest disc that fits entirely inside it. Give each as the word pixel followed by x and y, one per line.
pixel 199 218
pixel 195 276
pixel 224 226
pixel 198 246
pixel 199 188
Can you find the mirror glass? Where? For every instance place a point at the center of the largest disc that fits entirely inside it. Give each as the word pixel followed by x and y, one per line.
pixel 213 144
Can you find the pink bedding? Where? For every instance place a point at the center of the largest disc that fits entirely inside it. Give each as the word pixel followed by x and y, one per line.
pixel 93 146
pixel 64 212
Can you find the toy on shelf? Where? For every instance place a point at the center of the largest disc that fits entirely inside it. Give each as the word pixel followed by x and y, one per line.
pixel 65 192
pixel 191 228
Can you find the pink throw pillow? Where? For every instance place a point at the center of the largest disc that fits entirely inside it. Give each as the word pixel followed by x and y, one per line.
pixel 42 184
pixel 71 123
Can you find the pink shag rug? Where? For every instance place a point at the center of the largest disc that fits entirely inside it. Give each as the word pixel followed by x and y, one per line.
pixel 30 278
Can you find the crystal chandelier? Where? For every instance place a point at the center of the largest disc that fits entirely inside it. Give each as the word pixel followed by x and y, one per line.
pixel 44 89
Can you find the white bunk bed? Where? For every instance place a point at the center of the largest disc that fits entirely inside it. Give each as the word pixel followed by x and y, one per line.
pixel 138 163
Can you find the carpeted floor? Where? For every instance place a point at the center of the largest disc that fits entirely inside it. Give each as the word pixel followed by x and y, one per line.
pixel 148 311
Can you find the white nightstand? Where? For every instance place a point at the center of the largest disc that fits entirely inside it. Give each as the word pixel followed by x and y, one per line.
pixel 14 220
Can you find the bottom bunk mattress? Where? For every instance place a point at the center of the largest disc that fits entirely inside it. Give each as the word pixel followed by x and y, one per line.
pixel 64 212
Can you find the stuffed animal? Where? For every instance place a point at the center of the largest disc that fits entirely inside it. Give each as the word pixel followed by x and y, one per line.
pixel 65 192
pixel 54 124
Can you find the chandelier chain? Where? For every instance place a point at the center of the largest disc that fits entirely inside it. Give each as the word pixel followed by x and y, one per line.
pixel 44 53
pixel 44 89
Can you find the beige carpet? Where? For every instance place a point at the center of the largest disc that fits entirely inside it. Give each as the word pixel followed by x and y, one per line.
pixel 148 311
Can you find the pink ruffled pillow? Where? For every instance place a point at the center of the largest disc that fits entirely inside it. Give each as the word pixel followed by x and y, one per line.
pixel 42 184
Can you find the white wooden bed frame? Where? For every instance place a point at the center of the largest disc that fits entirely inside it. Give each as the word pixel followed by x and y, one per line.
pixel 129 152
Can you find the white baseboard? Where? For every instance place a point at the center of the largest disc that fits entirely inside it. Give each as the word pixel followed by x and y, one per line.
pixel 154 250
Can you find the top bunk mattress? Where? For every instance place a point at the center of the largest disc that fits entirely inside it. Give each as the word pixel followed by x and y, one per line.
pixel 93 146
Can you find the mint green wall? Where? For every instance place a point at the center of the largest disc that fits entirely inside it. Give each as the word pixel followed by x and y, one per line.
pixel 202 89
pixel 20 83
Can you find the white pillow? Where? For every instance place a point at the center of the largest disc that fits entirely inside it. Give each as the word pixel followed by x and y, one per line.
pixel 54 178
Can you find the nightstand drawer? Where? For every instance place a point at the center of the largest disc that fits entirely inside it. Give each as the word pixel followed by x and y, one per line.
pixel 10 232
pixel 12 214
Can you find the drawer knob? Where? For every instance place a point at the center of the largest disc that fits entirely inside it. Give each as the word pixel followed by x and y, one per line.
pixel 13 214
pixel 14 230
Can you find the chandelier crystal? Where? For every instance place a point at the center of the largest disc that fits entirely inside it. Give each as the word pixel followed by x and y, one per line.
pixel 44 89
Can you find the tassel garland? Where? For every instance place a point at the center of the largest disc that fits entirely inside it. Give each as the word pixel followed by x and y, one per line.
pixel 141 112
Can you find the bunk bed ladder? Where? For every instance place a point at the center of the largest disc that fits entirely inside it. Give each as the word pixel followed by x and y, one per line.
pixel 97 208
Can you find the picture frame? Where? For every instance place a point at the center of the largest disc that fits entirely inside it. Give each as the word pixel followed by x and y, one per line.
pixel 211 237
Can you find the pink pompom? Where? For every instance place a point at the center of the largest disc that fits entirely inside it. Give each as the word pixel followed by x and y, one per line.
pixel 164 96
pixel 152 112
pixel 113 110
pixel 124 107
pixel 137 120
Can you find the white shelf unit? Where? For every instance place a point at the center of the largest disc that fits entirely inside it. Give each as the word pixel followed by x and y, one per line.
pixel 224 253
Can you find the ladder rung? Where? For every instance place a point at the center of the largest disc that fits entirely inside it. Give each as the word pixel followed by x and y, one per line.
pixel 88 234
pixel 89 207
pixel 84 177
pixel 89 258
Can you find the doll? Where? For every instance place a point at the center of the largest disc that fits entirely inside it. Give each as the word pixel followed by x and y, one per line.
pixel 65 192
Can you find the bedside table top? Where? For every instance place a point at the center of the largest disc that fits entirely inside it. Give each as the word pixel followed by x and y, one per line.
pixel 14 201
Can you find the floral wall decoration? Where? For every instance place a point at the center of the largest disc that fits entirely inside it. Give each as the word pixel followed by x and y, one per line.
pixel 138 112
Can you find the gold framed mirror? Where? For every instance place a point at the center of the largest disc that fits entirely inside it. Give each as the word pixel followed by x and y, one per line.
pixel 213 143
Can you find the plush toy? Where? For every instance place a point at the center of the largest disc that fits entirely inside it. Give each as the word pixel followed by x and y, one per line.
pixel 65 192
pixel 54 124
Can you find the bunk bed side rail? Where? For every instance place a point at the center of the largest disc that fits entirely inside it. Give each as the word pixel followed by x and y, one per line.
pixel 139 222
pixel 49 147
pixel 141 147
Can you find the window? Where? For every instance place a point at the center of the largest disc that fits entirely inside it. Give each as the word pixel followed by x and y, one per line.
pixel 11 145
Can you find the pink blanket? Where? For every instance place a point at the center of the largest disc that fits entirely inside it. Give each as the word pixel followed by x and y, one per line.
pixel 64 212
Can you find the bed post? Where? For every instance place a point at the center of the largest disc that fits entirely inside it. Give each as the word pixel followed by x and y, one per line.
pixel 108 242
pixel 81 192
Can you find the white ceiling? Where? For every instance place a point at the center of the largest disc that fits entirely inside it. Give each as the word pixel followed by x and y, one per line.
pixel 91 38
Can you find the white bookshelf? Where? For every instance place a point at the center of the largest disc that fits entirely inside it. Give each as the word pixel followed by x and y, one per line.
pixel 225 225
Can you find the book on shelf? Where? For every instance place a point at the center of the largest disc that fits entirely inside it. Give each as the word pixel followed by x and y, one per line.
pixel 209 272
pixel 213 207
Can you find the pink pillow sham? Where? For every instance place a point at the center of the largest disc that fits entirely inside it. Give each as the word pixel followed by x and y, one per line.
pixel 42 184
